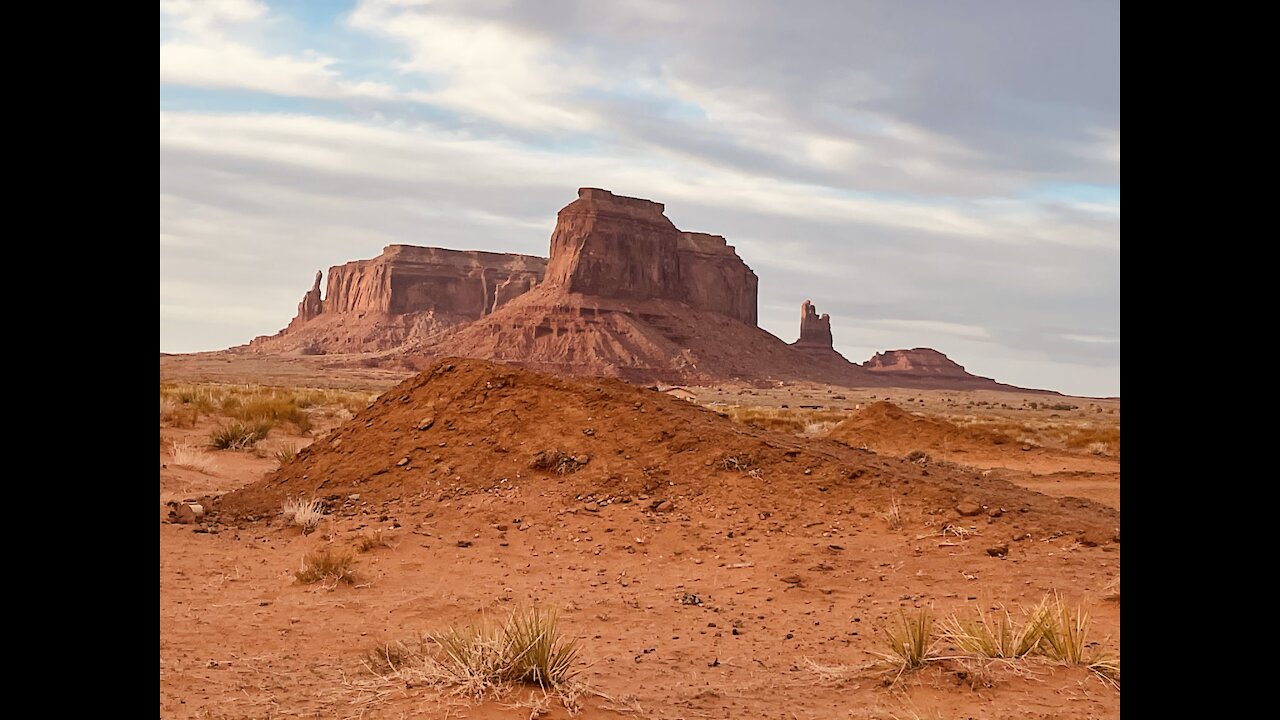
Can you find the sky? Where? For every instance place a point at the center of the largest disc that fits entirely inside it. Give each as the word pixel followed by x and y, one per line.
pixel 930 173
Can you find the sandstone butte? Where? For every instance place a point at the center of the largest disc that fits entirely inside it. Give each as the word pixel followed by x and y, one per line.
pixel 624 293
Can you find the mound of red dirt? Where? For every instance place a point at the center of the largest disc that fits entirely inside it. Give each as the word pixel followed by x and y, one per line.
pixel 470 426
pixel 885 427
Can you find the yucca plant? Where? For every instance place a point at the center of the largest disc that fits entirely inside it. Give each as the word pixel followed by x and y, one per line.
pixel 1065 639
pixel 540 654
pixel 910 642
pixel 997 635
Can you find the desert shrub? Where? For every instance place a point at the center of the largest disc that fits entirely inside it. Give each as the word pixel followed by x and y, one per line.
pixel 286 453
pixel 910 643
pixel 238 435
pixel 1065 639
pixel 326 565
pixel 918 456
pixel 371 540
pixel 1098 448
pixel 527 648
pixel 191 457
pixel 306 514
pixel 997 635
pixel 893 516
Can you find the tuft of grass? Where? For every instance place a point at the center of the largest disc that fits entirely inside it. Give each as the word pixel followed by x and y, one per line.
pixel 371 540
pixel 326 565
pixel 486 656
pixel 286 453
pixel 997 635
pixel 910 643
pixel 306 514
pixel 1098 448
pixel 893 516
pixel 1065 639
pixel 238 435
pixel 744 464
pixel 918 456
pixel 191 457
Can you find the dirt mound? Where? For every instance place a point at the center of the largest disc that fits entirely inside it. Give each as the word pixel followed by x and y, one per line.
pixel 886 428
pixel 467 427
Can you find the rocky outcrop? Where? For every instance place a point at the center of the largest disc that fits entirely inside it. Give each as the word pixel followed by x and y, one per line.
pixel 612 246
pixel 408 279
pixel 405 293
pixel 310 306
pixel 815 330
pixel 916 361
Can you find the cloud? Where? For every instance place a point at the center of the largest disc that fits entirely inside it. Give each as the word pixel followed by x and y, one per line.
pixel 928 174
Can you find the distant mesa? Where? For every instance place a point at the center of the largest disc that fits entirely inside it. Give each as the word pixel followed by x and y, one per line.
pixel 624 293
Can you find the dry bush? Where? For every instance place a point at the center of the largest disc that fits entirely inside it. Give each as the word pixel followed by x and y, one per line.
pixel 1065 639
pixel 997 635
pixel 326 565
pixel 1098 448
pixel 191 457
pixel 372 540
pixel 238 435
pixel 486 657
pixel 918 456
pixel 911 644
pixel 286 453
pixel 306 514
pixel 744 464
pixel 819 428
pixel 893 516
pixel 796 421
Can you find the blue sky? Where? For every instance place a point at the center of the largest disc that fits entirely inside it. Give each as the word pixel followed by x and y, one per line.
pixel 929 173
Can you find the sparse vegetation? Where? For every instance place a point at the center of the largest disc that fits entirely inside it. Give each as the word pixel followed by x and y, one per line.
pixel 1098 448
pixel 188 456
pixel 286 453
pixel 306 514
pixel 893 516
pixel 997 635
pixel 485 657
pixel 371 540
pixel 911 643
pixel 789 420
pixel 238 435
pixel 918 456
pixel 1065 639
pixel 326 565
pixel 744 464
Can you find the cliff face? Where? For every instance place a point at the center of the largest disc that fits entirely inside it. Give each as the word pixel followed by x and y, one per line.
pixel 618 247
pixel 407 279
pixel 406 292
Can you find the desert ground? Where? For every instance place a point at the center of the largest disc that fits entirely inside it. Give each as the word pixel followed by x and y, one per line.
pixel 727 552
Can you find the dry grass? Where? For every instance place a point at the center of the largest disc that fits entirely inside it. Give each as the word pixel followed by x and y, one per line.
pixel 326 565
pixel 1098 448
pixel 306 514
pixel 1065 639
pixel 286 453
pixel 911 643
pixel 893 516
pixel 371 541
pixel 183 404
pixel 797 421
pixel 486 657
pixel 189 456
pixel 997 635
pixel 238 435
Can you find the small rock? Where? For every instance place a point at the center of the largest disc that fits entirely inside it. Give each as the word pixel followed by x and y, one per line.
pixel 464 543
pixel 1000 550
pixel 995 512
pixel 968 508
pixel 187 513
pixel 582 459
pixel 663 506
pixel 403 461
pixel 791 579
pixel 426 423
pixel 354 497
pixel 588 432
